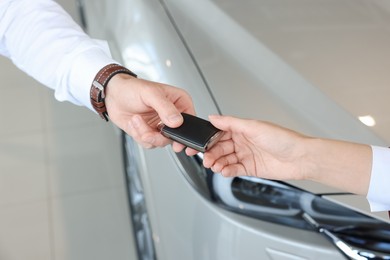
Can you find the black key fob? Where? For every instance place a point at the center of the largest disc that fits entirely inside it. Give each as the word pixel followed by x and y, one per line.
pixel 195 133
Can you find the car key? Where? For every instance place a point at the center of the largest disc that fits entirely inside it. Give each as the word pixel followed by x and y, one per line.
pixel 195 132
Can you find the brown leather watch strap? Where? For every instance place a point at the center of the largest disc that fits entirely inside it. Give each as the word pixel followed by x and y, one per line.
pixel 99 84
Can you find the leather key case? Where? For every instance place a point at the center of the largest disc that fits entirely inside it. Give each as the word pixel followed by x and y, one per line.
pixel 195 133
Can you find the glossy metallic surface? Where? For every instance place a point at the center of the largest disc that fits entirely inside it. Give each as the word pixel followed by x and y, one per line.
pixel 295 64
pixel 275 65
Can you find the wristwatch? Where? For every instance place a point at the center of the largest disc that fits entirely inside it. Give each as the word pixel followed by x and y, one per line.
pixel 97 93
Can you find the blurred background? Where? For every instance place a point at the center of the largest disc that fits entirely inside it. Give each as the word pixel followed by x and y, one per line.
pixel 62 189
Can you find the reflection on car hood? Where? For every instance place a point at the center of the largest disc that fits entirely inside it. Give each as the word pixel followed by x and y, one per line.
pixel 311 66
pixel 341 48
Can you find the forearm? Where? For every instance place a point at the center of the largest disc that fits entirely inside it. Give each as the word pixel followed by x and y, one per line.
pixel 44 41
pixel 339 164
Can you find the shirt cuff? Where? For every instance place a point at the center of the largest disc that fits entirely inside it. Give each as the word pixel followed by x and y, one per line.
pixel 379 190
pixel 84 68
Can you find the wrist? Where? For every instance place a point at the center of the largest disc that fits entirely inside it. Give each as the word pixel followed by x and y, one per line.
pixel 313 165
pixel 114 85
pixel 115 91
pixel 99 85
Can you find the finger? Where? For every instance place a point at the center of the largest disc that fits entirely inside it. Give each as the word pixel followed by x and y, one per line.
pixel 191 152
pixel 177 147
pixel 144 134
pixel 184 103
pixel 221 122
pixel 167 112
pixel 233 170
pixel 166 108
pixel 223 162
pixel 222 148
pixel 231 124
pixel 130 129
pixel 154 139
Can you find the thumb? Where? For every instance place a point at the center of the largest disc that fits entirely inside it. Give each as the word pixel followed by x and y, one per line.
pixel 224 123
pixel 166 110
pixel 231 124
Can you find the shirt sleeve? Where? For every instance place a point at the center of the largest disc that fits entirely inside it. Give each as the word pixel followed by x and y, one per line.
pixel 43 40
pixel 379 190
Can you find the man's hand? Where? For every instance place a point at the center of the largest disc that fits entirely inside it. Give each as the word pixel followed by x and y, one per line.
pixel 137 106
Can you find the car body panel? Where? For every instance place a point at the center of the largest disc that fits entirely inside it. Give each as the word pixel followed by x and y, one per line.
pixel 131 37
pixel 199 230
pixel 227 78
pixel 279 65
pixel 266 50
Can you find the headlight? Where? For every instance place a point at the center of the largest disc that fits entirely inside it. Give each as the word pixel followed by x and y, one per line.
pixel 278 202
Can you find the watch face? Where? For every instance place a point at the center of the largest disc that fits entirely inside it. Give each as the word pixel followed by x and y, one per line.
pixel 195 133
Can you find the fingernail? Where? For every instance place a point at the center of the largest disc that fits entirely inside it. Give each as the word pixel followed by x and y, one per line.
pixel 174 118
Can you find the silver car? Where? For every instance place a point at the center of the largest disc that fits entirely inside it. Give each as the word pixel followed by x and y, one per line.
pixel 314 66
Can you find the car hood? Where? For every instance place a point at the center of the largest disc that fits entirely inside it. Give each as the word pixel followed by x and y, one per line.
pixel 315 67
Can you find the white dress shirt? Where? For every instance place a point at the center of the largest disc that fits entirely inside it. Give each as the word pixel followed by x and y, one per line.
pixel 43 40
pixel 379 190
